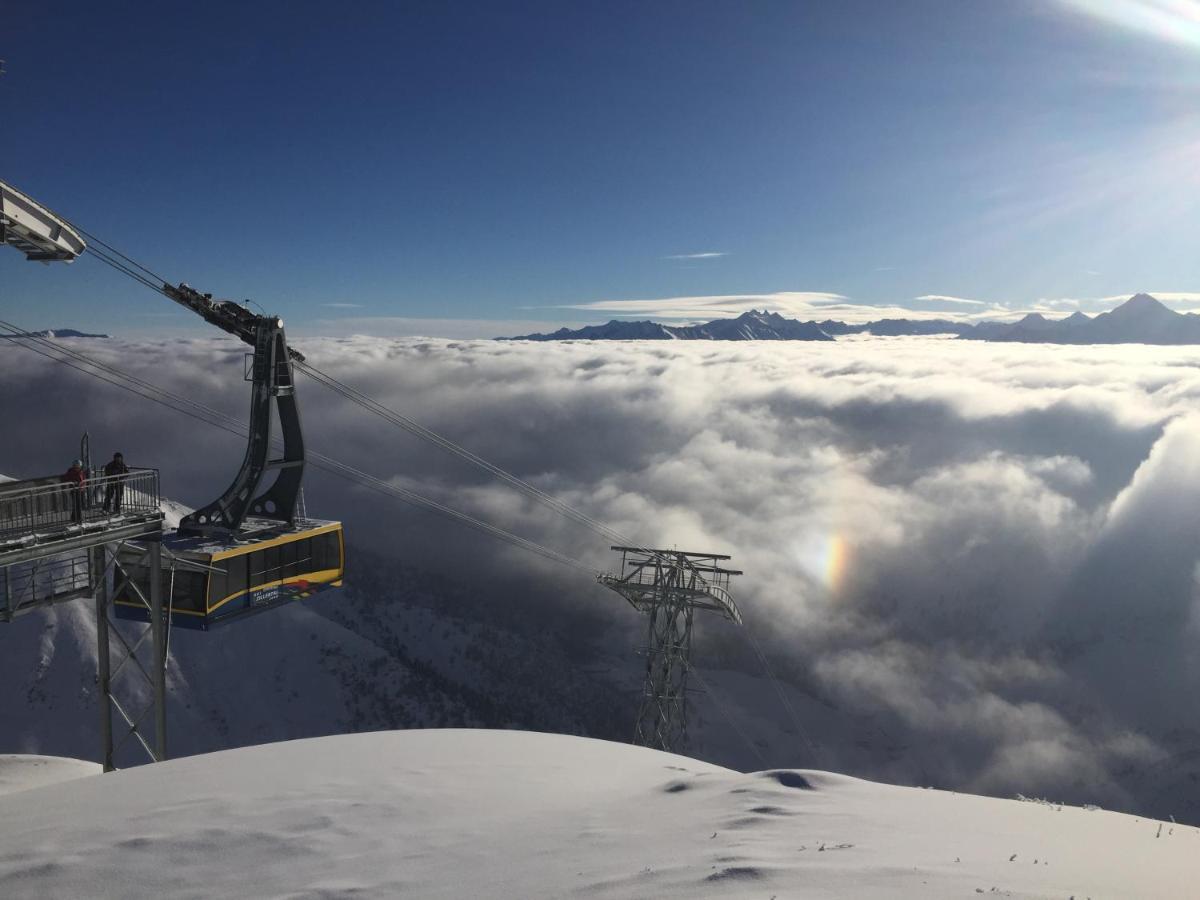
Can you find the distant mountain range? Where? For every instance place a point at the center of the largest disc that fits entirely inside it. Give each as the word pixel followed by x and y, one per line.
pixel 1139 320
pixel 57 333
pixel 749 326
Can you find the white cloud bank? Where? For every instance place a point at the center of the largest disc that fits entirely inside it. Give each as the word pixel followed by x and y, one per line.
pixel 818 305
pixel 986 552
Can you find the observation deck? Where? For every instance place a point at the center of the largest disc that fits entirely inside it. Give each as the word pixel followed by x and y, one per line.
pixel 48 528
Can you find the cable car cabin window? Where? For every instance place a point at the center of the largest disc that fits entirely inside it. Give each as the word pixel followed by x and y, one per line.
pixel 304 556
pixel 258 563
pixel 217 585
pixel 189 592
pixel 235 578
pixel 271 563
pixel 326 551
pixel 287 560
pixel 139 575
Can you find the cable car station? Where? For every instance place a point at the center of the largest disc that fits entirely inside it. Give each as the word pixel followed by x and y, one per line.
pixel 248 551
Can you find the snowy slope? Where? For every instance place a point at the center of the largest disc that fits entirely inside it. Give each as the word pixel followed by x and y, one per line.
pixel 20 773
pixel 514 814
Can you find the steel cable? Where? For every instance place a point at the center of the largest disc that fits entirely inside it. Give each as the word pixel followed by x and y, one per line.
pixel 134 385
pixel 692 670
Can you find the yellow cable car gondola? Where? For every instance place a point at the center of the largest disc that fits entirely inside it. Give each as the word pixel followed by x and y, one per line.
pixel 246 551
pixel 206 582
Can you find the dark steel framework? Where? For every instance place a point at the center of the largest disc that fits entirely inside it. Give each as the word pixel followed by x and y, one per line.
pixel 133 708
pixel 669 586
pixel 272 377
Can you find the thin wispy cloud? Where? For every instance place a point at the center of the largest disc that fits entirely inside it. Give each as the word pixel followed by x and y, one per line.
pixel 708 254
pixel 714 306
pixel 342 305
pixel 961 301
pixel 817 305
pixel 406 326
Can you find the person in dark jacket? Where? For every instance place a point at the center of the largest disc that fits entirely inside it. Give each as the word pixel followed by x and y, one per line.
pixel 114 490
pixel 74 478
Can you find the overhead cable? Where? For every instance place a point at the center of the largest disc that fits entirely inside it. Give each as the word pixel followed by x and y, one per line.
pixel 116 377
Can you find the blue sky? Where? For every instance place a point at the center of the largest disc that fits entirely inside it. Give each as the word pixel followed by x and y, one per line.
pixel 388 167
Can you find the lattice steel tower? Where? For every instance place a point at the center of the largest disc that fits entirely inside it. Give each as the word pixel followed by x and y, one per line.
pixel 669 586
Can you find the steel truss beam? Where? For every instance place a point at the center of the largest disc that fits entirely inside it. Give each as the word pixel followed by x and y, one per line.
pixel 669 586
pixel 144 687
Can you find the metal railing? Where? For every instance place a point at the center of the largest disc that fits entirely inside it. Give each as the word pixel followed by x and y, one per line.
pixel 51 504
pixel 641 586
pixel 27 585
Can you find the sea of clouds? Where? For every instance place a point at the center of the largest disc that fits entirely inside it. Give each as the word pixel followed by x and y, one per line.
pixel 990 551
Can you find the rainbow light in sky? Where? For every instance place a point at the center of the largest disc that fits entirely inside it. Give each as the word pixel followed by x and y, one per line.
pixel 826 557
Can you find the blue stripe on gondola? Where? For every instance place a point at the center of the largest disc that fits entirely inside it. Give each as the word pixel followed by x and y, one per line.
pixel 249 604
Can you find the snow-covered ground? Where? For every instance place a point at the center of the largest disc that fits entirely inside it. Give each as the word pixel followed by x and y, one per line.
pixel 457 813
pixel 21 772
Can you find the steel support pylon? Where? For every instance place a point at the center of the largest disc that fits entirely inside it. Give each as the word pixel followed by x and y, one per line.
pixel 662 716
pixel 132 685
pixel 669 586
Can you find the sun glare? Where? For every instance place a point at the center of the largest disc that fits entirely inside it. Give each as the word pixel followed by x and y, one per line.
pixel 1177 21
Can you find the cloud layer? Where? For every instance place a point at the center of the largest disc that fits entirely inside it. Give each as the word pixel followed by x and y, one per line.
pixel 988 552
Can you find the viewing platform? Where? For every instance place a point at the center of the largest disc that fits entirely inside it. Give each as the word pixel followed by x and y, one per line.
pixel 48 526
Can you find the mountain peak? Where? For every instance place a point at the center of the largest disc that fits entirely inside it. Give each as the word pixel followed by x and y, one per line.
pixel 1141 305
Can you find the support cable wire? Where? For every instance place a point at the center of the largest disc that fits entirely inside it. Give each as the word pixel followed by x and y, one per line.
pixel 693 671
pixel 155 282
pixel 428 434
pixel 93 241
pixel 515 481
pixel 124 269
pixel 783 698
pixel 198 411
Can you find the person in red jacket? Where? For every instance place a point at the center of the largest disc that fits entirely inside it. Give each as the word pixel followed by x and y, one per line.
pixel 74 477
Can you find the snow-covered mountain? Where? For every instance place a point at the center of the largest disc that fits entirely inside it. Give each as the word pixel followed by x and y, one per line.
pixel 1141 319
pixel 896 327
pixel 64 333
pixel 749 326
pixel 456 814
